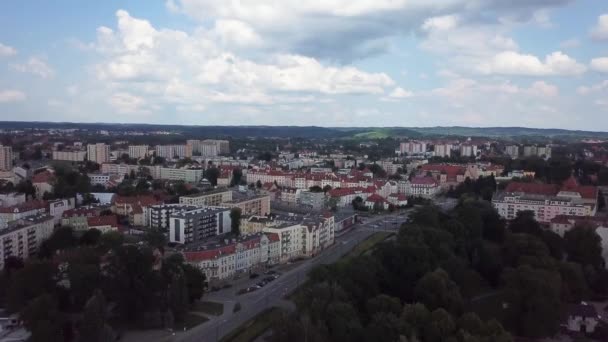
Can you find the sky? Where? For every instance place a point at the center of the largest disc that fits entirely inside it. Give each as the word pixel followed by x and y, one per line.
pixel 482 63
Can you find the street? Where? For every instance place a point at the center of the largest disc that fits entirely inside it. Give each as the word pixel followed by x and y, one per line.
pixel 273 293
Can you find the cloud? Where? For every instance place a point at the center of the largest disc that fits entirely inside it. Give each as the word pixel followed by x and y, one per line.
pixel 6 50
pixel 595 88
pixel 570 43
pixel 398 94
pixel 600 31
pixel 514 63
pixel 346 30
pixel 7 96
pixel 600 64
pixel 36 67
pixel 140 63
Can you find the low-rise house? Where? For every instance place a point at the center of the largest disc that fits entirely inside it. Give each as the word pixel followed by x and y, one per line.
pixel 11 199
pixel 23 210
pixel 78 218
pixel 398 200
pixel 43 183
pixel 376 202
pixel 582 318
pixel 103 223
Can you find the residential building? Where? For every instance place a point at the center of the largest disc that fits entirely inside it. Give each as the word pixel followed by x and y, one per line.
pixel 398 200
pixel 254 224
pixel 70 155
pixel 546 201
pixel 313 200
pixel 291 239
pixel 426 187
pixel 207 198
pixel 199 224
pixel 250 204
pixel 412 147
pixel 104 224
pixel 582 318
pixel 512 151
pixel 22 210
pixel 270 176
pixel 138 151
pixel 118 169
pixel 376 201
pixel 58 207
pixel 6 158
pixel 530 151
pixel 468 150
pixel 443 150
pixel 183 174
pixel 173 151
pixel 78 218
pixel 12 198
pixel 99 178
pixel 98 153
pixel 222 146
pixel 23 237
pixel 43 182
pixel 157 216
pixel 123 205
pixel 343 197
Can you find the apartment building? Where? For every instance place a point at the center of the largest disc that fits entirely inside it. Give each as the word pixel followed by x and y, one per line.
pixel 99 178
pixel 222 146
pixel 345 196
pixel 118 169
pixel 292 238
pixel 426 187
pixel 157 216
pixel 98 153
pixel 23 237
pixel 207 198
pixel 6 158
pixel 412 147
pixel 21 211
pixel 249 204
pixel 77 218
pixel 174 151
pixel 547 201
pixel 270 176
pixel 138 151
pixel 70 155
pixel 468 150
pixel 186 175
pixel 199 224
pixel 314 200
pixel 443 150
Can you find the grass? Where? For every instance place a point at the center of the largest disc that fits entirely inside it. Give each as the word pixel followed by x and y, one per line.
pixel 367 244
pixel 210 308
pixel 255 327
pixel 377 134
pixel 190 321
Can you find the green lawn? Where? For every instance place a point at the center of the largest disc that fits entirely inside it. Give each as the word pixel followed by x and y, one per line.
pixel 377 134
pixel 191 320
pixel 255 327
pixel 210 308
pixel 367 244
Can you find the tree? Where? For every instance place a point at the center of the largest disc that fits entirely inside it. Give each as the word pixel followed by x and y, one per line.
pixel 196 282
pixel 111 240
pixel 258 184
pixel 532 293
pixel 574 284
pixel 525 222
pixel 436 290
pixel 212 174
pixel 42 318
pixel 33 280
pixel 315 188
pixel 61 239
pixel 584 246
pixel 601 201
pixel 235 221
pixel 155 238
pixel 93 326
pixel 358 203
pixel 91 237
pixel 237 176
pixel 327 188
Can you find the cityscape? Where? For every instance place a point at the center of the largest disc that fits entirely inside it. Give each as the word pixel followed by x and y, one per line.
pixel 304 171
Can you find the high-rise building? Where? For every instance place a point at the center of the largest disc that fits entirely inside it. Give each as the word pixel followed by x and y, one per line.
pixel 412 147
pixel 223 146
pixel 173 151
pixel 530 151
pixel 198 224
pixel 98 153
pixel 138 151
pixel 468 150
pixel 6 158
pixel 195 145
pixel 512 151
pixel 69 155
pixel 443 150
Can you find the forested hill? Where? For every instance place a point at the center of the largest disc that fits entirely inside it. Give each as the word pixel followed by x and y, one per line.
pixel 315 131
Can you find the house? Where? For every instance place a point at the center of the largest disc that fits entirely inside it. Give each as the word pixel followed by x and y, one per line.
pixel 103 223
pixel 43 182
pixel 376 201
pixel 582 318
pixel 398 200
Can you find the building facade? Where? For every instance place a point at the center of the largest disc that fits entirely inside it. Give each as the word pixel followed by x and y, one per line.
pixel 6 158
pixel 208 198
pixel 98 153
pixel 199 224
pixel 23 238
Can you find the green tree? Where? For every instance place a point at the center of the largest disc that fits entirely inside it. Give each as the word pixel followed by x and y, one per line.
pixel 212 174
pixel 42 318
pixel 91 237
pixel 196 282
pixel 235 221
pixel 237 176
pixel 436 290
pixel 61 239
pixel 532 293
pixel 93 327
pixel 525 222
pixel 155 238
pixel 34 279
pixel 584 246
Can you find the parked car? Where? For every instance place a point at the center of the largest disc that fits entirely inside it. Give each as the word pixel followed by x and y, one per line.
pixel 270 272
pixel 253 275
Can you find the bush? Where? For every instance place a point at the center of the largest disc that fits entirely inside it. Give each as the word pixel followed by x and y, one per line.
pixel 237 307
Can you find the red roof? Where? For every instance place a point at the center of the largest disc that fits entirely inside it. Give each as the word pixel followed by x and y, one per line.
pixel 375 198
pixel 80 212
pixel 424 181
pixel 273 237
pixel 533 188
pixel 97 221
pixel 340 192
pixel 144 201
pixel 196 256
pixel 43 177
pixel 399 197
pixel 24 207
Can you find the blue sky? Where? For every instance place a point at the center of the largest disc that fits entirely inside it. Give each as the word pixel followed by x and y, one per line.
pixel 536 63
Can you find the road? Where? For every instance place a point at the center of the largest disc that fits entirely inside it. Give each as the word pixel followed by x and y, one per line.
pixel 272 294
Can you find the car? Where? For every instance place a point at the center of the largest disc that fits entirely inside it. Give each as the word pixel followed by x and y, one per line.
pixel 261 284
pixel 253 275
pixel 270 272
pixel 269 279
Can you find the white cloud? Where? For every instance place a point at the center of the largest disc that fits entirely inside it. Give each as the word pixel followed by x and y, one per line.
pixel 595 88
pixel 126 103
pixel 11 96
pixel 398 94
pixel 6 50
pixel 36 67
pixel 600 64
pixel 600 31
pixel 514 63
pixel 236 33
pixel 542 88
pixel 442 23
pixel 172 67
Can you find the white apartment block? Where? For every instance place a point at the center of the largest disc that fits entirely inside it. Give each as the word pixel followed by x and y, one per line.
pixel 292 239
pixel 209 198
pixel 23 238
pixel 468 150
pixel 512 151
pixel 412 147
pixel 186 175
pixel 223 146
pixel 73 156
pixel 99 178
pixel 138 151
pixel 98 153
pixel 173 151
pixel 426 187
pixel 118 169
pixel 443 150
pixel 6 158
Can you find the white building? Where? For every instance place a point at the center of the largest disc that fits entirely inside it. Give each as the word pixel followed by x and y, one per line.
pixel 174 151
pixel 23 238
pixel 67 155
pixel 98 153
pixel 138 151
pixel 6 158
pixel 412 147
pixel 468 150
pixel 198 224
pixel 443 150
pixel 426 187
pixel 99 178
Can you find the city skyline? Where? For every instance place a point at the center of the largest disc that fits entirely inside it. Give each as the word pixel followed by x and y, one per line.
pixel 331 63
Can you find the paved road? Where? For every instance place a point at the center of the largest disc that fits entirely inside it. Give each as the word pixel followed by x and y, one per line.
pixel 272 294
